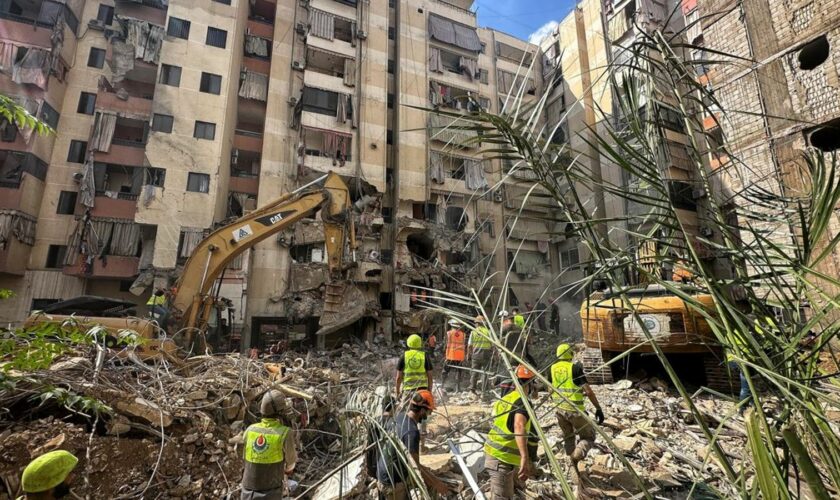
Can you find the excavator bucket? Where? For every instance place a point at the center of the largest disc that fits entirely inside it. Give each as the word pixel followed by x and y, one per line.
pixel 344 304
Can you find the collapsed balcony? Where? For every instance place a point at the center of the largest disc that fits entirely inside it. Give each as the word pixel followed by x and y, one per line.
pixel 323 150
pixel 447 96
pixel 104 247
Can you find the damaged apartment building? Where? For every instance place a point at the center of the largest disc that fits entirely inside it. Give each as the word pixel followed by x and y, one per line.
pixel 173 117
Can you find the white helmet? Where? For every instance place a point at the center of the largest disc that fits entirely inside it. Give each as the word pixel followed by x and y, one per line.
pixel 503 314
pixel 453 322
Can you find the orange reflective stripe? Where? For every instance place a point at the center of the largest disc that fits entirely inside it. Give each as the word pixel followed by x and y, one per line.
pixel 455 345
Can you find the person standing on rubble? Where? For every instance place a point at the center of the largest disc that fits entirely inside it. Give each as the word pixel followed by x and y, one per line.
pixel 507 445
pixel 569 382
pixel 518 318
pixel 554 316
pixel 270 453
pixel 414 370
pixel 48 476
pixel 456 352
pixel 391 466
pixel 479 352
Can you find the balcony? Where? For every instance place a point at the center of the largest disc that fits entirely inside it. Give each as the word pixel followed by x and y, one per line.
pixel 246 140
pixel 242 183
pixel 10 194
pixel 257 65
pixel 124 152
pixel 139 107
pixel 454 9
pixel 33 21
pixel 118 206
pixel 261 28
pixel 14 257
pixel 112 266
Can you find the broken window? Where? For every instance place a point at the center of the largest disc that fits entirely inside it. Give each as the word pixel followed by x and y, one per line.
pixel 154 176
pixel 681 195
pixel 87 103
pixel 424 211
pixel 56 256
pixel 513 54
pixel 421 246
pixel 456 218
pixel 827 137
pixel 813 54
pixel 312 252
pixel 96 58
pixel 66 203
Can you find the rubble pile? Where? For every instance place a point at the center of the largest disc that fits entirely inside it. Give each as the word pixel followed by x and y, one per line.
pixel 171 428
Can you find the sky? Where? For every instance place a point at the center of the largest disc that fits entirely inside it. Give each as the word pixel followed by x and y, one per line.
pixel 526 19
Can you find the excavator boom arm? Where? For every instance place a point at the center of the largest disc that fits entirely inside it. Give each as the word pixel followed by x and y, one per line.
pixel 217 250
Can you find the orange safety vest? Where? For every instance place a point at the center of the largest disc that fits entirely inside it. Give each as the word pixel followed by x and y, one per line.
pixel 456 345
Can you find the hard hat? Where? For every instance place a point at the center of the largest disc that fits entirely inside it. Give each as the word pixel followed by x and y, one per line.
pixel 479 319
pixel 424 399
pixel 414 341
pixel 453 322
pixel 523 373
pixel 48 471
pixel 273 403
pixel 503 314
pixel 564 352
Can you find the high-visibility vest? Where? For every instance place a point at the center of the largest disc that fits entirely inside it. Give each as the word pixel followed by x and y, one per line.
pixel 455 345
pixel 563 381
pixel 480 338
pixel 265 441
pixel 519 320
pixel 739 339
pixel 414 373
pixel 156 300
pixel 501 440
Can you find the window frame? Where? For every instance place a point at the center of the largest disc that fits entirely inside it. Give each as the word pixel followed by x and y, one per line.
pixel 163 130
pixel 204 125
pixel 216 32
pixel 178 31
pixel 208 79
pixel 47 119
pixel 83 151
pixel 100 58
pixel 198 176
pixel 56 256
pixel 169 70
pixel 87 101
pixel 109 16
pixel 66 199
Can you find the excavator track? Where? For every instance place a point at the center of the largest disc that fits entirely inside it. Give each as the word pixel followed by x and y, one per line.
pixel 718 376
pixel 593 365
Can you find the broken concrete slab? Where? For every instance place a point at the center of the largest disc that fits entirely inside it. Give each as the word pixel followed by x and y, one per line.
pixel 437 463
pixel 145 410
pixel 343 483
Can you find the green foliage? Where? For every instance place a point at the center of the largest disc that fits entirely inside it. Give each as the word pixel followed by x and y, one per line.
pixel 6 294
pixel 73 402
pixel 17 114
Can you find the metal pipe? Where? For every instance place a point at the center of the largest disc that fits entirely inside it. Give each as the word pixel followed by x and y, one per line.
pixel 316 181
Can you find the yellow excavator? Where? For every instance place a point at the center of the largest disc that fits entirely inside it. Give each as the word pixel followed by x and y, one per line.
pixel 192 303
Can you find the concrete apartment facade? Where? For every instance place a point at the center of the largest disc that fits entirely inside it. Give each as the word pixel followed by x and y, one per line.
pixel 172 117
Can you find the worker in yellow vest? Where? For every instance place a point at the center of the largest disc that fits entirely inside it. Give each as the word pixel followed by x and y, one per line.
pixel 569 382
pixel 518 318
pixel 270 453
pixel 414 370
pixel 479 352
pixel 48 476
pixel 506 448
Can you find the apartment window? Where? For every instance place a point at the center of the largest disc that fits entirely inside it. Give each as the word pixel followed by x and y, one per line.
pixel 391 33
pixel 198 183
pixel 204 130
pixel 483 48
pixel 484 103
pixel 226 2
pixel 179 28
pixel 170 75
pixel 320 101
pixel 162 123
pixel 154 176
pixel 216 37
pixel 105 14
pixel 49 115
pixel 66 203
pixel 307 253
pixel 96 58
pixel 569 258
pixel 483 76
pixel 56 256
pixel 211 84
pixel 87 103
pixel 390 66
pixel 9 131
pixel 76 154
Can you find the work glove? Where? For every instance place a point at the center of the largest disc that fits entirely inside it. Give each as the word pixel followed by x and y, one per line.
pixel 599 416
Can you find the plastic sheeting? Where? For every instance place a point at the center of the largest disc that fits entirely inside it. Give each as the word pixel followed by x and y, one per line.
pixel 435 62
pixel 254 86
pixel 33 68
pixel 87 189
pixel 256 46
pixel 468 66
pixel 122 59
pixel 350 72
pixel 436 173
pixel 460 35
pixel 145 37
pixel 445 129
pixel 104 124
pixel 322 24
pixel 506 81
pixel 18 225
pixel 474 174
pixel 7 57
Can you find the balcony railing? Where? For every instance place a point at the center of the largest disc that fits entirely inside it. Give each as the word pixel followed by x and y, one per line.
pixel 120 196
pixel 128 142
pixel 459 9
pixel 248 133
pixel 10 184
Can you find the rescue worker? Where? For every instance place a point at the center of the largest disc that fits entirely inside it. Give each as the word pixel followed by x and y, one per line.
pixel 414 370
pixel 456 352
pixel 391 468
pixel 48 476
pixel 518 318
pixel 569 382
pixel 270 453
pixel 759 328
pixel 506 448
pixel 431 346
pixel 157 304
pixel 479 352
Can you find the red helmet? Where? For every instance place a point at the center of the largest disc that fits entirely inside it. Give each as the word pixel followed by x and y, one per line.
pixel 523 373
pixel 423 398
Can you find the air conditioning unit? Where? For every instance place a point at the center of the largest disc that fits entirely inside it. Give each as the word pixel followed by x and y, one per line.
pixel 300 28
pixel 706 231
pixel 96 24
pixel 292 101
pixel 298 65
pixel 698 193
pixel 361 35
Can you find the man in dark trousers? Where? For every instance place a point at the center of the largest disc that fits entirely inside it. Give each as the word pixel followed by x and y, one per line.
pixel 554 318
pixel 391 467
pixel 539 310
